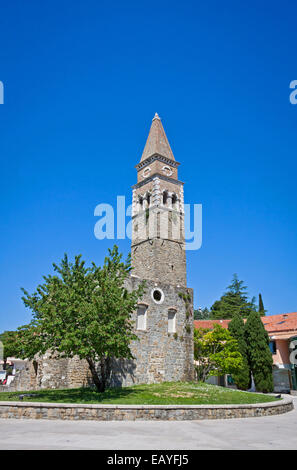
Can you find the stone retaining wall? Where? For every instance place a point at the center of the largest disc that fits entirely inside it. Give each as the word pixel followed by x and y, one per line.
pixel 140 412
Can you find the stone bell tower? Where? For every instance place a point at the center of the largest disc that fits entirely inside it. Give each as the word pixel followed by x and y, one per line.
pixel 158 241
pixel 163 317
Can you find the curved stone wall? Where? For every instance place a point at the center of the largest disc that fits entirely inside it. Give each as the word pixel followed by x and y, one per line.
pixel 140 412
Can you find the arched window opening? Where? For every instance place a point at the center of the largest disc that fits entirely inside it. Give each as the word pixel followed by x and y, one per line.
pixel 174 201
pixel 171 321
pixel 141 317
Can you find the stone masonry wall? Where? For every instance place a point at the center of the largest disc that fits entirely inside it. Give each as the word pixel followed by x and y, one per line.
pixel 159 355
pixel 141 412
pixel 161 261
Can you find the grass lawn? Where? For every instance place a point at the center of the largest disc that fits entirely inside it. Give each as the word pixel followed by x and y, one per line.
pixel 168 393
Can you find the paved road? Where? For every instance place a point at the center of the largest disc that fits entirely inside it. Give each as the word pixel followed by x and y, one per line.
pixel 271 432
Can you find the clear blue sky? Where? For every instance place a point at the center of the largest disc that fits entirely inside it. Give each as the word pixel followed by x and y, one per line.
pixel 82 82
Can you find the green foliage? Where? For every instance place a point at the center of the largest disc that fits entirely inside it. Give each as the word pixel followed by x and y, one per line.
pixel 216 352
pixel 10 342
pixel 85 312
pixel 202 314
pixel 234 300
pixel 189 311
pixel 237 330
pixel 259 354
pixel 262 310
pixel 188 329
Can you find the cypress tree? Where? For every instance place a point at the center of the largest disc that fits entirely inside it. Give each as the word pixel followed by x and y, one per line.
pixel 261 306
pixel 259 354
pixel 237 330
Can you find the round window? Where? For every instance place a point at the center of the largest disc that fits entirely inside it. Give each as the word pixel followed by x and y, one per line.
pixel 157 295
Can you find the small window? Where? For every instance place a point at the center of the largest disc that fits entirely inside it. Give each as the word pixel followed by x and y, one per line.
pixel 171 321
pixel 165 197
pixel 141 317
pixel 157 296
pixel 272 346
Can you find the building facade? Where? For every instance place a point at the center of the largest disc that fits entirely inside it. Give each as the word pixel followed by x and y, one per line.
pixel 282 331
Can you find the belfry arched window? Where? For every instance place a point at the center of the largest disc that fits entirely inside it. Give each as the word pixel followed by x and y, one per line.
pixel 165 198
pixel 174 200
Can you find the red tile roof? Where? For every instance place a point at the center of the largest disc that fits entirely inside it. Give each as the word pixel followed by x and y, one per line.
pixel 284 322
pixel 209 323
pixel 273 323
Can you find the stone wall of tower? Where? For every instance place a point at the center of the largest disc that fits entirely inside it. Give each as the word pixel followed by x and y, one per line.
pixel 158 241
pixel 161 261
pixel 156 167
pixel 160 355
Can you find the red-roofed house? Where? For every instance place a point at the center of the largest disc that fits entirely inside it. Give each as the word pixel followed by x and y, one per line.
pixel 282 331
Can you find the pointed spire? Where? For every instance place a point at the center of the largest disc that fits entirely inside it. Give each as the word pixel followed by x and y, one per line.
pixel 157 142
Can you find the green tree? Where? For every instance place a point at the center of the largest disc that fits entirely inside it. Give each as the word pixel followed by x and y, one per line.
pixel 216 352
pixel 262 310
pixel 234 300
pixel 237 330
pixel 9 340
pixel 259 354
pixel 202 314
pixel 85 312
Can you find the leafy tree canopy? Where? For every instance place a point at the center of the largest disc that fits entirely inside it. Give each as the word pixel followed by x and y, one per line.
pixel 234 300
pixel 85 312
pixel 10 343
pixel 216 352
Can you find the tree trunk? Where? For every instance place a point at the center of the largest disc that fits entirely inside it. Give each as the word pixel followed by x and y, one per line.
pixel 100 384
pixel 105 370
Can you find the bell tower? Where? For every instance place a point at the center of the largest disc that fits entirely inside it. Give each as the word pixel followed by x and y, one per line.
pixel 158 240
